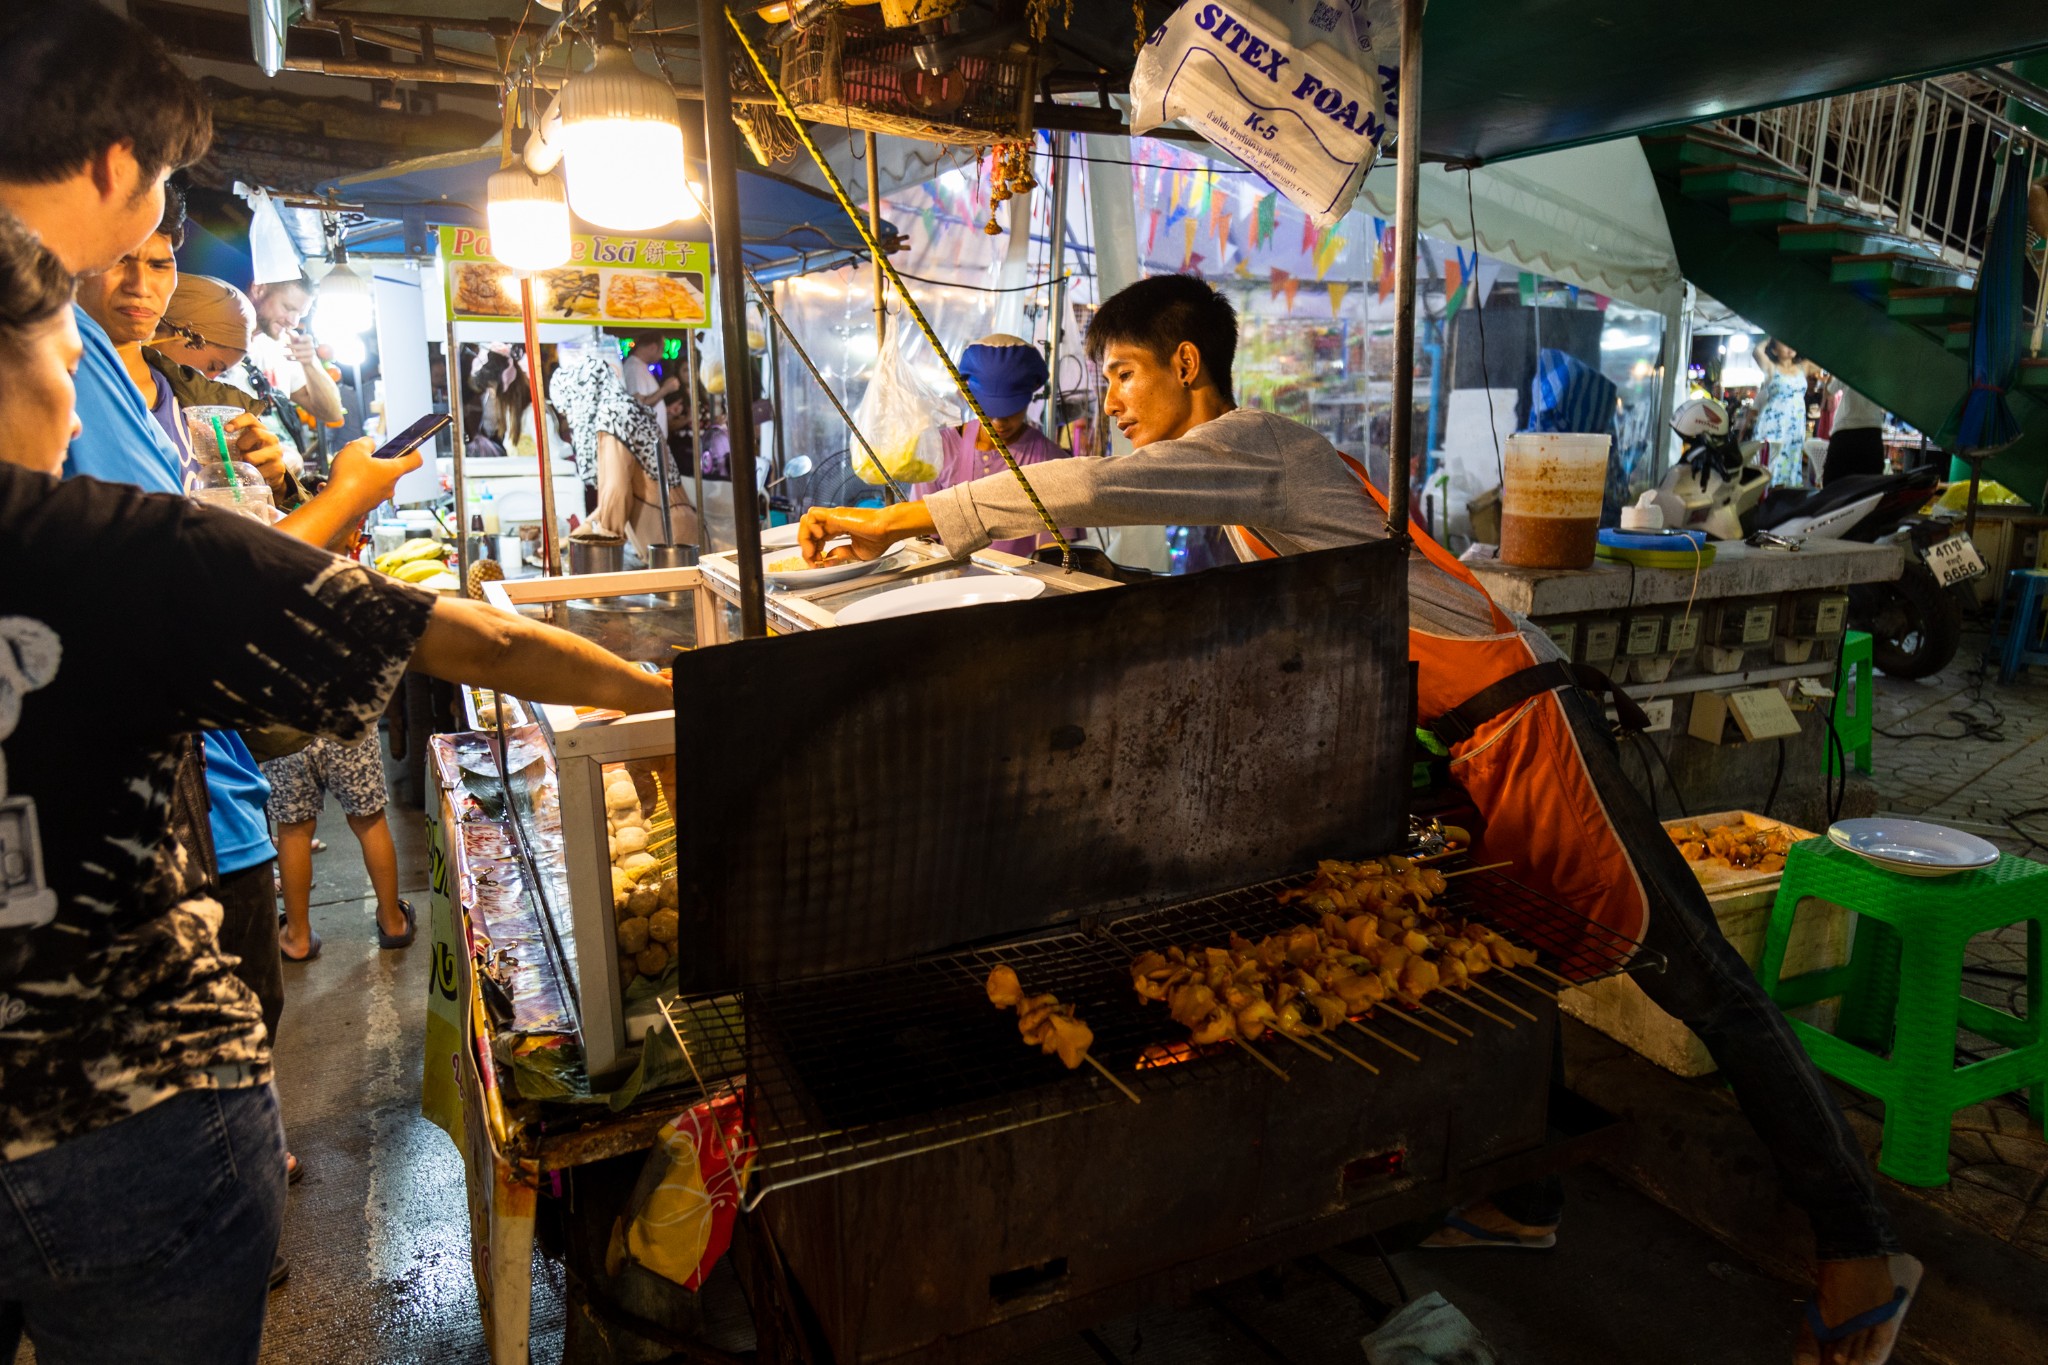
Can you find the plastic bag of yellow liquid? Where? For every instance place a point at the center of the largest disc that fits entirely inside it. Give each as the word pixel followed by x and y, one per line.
pixel 1990 493
pixel 901 412
pixel 679 1218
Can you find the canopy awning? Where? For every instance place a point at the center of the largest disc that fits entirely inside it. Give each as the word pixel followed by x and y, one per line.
pixel 786 228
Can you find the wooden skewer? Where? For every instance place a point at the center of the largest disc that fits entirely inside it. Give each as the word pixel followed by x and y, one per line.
pixel 1474 1005
pixel 1408 1018
pixel 1466 871
pixel 1524 982
pixel 1439 1014
pixel 1261 1058
pixel 1489 991
pixel 1110 1076
pixel 1564 981
pixel 1302 1043
pixel 1383 1040
pixel 1347 1052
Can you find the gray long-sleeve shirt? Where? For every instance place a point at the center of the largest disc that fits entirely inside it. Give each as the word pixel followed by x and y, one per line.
pixel 1245 468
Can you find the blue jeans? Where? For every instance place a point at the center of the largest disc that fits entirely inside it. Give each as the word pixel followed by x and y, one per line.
pixel 149 1239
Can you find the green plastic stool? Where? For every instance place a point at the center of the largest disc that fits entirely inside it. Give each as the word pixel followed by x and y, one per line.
pixel 1902 993
pixel 1852 721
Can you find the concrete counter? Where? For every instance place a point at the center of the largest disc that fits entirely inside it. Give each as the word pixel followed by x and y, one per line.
pixel 1738 570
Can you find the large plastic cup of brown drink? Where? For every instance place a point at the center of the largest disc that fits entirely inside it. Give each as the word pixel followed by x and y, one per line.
pixel 1550 499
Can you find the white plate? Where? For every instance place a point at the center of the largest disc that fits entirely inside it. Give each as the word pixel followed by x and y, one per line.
pixel 1914 847
pixel 813 578
pixel 972 591
pixel 776 537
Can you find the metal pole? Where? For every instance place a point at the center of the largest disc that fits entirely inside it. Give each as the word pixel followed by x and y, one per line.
pixel 1407 186
pixel 696 441
pixel 721 155
pixel 1057 279
pixel 775 392
pixel 550 560
pixel 453 355
pixel 875 231
pixel 1820 152
pixel 668 530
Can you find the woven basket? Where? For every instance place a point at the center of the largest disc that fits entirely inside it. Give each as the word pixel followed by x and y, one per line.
pixel 849 71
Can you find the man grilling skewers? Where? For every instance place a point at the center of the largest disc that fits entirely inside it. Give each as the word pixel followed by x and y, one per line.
pixel 1531 751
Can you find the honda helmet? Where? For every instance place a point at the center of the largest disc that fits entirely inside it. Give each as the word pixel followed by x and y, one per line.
pixel 1700 417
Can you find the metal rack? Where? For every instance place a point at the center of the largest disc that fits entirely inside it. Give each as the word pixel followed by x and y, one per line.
pixel 847 1071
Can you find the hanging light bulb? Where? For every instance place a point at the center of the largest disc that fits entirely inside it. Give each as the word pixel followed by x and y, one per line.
pixel 528 216
pixel 344 307
pixel 622 145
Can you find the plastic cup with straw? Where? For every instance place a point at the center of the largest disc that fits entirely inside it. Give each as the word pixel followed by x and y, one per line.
pixel 208 426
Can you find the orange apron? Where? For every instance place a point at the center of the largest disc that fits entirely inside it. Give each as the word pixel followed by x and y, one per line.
pixel 1522 769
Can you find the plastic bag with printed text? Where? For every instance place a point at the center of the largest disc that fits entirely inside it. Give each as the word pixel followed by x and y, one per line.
pixel 1302 92
pixel 902 410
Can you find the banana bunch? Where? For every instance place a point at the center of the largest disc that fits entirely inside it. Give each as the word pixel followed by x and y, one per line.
pixel 423 550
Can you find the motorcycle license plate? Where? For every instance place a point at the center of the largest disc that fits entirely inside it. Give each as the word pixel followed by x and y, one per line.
pixel 1954 561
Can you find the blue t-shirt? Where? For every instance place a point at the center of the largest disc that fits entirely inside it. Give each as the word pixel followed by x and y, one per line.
pixel 122 443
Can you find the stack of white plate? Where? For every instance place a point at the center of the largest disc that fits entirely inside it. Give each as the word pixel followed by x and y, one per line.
pixel 1914 848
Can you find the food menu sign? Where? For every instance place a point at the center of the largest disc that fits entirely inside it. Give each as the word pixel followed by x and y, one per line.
pixel 631 280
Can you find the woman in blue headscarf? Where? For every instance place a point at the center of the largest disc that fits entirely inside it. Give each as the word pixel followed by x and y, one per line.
pixel 1004 373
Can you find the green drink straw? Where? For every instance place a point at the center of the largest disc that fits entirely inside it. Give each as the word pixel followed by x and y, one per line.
pixel 227 461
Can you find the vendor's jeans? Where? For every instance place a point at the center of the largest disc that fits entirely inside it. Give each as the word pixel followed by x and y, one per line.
pixel 149 1239
pixel 1713 992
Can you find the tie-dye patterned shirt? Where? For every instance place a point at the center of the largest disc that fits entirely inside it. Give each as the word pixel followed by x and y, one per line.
pixel 128 620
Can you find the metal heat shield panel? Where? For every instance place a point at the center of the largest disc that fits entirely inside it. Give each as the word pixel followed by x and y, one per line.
pixel 870 793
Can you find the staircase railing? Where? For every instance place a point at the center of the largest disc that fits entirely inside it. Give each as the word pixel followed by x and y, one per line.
pixel 1927 159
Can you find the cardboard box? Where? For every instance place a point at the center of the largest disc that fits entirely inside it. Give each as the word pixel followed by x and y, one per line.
pixel 1741 901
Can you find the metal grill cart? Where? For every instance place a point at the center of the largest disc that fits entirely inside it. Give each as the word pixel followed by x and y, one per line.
pixel 1059 785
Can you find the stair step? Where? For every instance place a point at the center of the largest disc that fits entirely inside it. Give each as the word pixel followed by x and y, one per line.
pixel 2034 373
pixel 1791 208
pixel 1729 179
pixel 1671 152
pixel 1835 239
pixel 1932 306
pixel 1958 337
pixel 1875 274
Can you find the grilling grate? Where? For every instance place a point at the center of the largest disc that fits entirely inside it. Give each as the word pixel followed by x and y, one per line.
pixel 847 1071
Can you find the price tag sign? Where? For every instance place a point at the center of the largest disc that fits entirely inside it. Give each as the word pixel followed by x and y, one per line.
pixel 1954 561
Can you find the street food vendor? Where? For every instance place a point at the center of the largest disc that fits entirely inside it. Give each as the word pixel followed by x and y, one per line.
pixel 1004 373
pixel 1532 752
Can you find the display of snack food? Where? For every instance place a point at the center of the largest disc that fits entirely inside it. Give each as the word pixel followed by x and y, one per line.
pixel 480 288
pixel 653 297
pixel 571 293
pixel 641 849
pixel 1743 846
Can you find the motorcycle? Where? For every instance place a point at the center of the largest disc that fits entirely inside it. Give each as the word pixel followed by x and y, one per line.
pixel 1915 621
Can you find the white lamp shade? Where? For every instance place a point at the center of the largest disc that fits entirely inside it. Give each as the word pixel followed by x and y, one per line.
pixel 622 146
pixel 528 217
pixel 343 307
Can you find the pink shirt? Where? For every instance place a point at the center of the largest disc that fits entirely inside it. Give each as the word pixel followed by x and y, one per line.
pixel 964 464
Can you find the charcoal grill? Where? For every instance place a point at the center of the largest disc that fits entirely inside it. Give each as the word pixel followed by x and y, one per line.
pixel 927 1187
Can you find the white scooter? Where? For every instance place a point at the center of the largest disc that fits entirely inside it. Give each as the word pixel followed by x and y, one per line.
pixel 1713 485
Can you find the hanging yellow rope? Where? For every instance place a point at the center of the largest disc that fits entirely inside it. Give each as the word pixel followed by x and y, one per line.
pixel 902 290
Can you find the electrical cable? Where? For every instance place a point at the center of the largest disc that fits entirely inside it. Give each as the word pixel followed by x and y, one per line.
pixel 1777 776
pixel 1150 165
pixel 1677 796
pixel 989 288
pixel 1485 377
pixel 1388 1262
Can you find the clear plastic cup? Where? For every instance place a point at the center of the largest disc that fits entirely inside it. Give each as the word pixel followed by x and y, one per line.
pixel 199 430
pixel 245 493
pixel 1550 499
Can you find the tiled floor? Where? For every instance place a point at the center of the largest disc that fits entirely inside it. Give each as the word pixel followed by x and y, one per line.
pixel 1985 761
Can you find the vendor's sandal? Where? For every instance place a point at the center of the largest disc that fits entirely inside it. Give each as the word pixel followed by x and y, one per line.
pixel 319 845
pixel 404 940
pixel 294 1169
pixel 1906 1273
pixel 312 948
pixel 280 1270
pixel 1462 1234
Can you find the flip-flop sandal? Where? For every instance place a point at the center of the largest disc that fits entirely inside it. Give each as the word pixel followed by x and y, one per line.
pixel 280 1270
pixel 319 845
pixel 313 938
pixel 1486 1239
pixel 404 940
pixel 1906 1273
pixel 294 1169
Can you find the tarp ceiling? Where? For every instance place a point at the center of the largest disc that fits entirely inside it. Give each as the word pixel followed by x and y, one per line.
pixel 787 228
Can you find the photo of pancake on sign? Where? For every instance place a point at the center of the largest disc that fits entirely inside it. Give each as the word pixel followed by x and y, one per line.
pixel 1304 97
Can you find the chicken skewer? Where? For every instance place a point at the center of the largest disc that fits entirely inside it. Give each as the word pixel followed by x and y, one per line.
pixel 1043 1020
